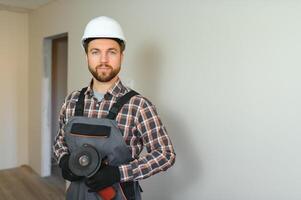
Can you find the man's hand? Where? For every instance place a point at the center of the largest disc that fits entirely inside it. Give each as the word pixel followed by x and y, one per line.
pixel 66 172
pixel 105 177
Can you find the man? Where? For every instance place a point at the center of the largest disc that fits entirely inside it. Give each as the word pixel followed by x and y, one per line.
pixel 137 119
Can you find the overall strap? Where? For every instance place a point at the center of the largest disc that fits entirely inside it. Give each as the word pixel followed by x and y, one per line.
pixel 79 107
pixel 119 103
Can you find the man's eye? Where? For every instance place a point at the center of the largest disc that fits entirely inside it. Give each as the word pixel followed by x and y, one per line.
pixel 113 52
pixel 94 52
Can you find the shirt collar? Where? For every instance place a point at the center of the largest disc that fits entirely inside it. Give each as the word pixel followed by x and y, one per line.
pixel 117 90
pixel 89 90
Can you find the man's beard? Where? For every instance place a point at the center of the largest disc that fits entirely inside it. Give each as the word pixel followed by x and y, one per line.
pixel 104 76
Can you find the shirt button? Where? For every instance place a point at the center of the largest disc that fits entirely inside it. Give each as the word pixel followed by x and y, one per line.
pixel 97 105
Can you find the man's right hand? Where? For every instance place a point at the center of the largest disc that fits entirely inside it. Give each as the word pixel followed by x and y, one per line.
pixel 66 172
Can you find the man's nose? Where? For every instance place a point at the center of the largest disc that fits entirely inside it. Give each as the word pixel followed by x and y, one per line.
pixel 104 58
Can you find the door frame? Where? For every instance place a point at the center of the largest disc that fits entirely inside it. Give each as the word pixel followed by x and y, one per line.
pixel 46 139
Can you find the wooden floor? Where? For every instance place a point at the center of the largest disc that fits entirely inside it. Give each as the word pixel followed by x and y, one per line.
pixel 24 184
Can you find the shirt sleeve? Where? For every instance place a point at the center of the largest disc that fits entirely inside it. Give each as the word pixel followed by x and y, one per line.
pixel 60 147
pixel 160 153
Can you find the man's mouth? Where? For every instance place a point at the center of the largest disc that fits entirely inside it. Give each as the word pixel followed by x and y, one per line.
pixel 103 68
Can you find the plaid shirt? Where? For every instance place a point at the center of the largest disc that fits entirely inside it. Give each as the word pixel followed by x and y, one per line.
pixel 139 123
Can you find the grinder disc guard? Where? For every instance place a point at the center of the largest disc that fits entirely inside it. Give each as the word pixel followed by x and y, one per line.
pixel 85 161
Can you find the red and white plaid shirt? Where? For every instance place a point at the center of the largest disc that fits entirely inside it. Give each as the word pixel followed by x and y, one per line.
pixel 138 121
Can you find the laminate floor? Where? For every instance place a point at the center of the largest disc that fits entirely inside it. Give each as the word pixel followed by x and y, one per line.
pixel 23 183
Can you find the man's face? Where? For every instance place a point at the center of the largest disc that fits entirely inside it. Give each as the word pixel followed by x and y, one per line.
pixel 104 59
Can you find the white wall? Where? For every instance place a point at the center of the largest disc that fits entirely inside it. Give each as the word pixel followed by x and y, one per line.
pixel 224 76
pixel 14 89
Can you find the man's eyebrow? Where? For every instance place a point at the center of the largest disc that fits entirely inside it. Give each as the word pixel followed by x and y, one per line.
pixel 94 49
pixel 113 48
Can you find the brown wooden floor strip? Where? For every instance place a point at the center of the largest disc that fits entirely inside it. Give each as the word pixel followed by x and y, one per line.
pixel 23 183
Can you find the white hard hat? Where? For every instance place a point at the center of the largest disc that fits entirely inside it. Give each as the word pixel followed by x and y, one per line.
pixel 103 27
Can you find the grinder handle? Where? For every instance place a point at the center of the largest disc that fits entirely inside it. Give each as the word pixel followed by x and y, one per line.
pixel 107 193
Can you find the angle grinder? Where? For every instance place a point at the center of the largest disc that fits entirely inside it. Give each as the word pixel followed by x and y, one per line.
pixel 86 161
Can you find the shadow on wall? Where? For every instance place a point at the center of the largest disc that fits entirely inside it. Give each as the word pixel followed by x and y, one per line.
pixel 148 69
pixel 187 169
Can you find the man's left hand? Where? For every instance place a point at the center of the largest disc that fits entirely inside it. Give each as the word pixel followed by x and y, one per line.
pixel 105 177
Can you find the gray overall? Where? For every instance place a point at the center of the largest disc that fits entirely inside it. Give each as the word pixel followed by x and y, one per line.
pixel 104 136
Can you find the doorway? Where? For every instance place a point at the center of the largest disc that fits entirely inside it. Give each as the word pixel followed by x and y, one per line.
pixel 53 95
pixel 58 87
